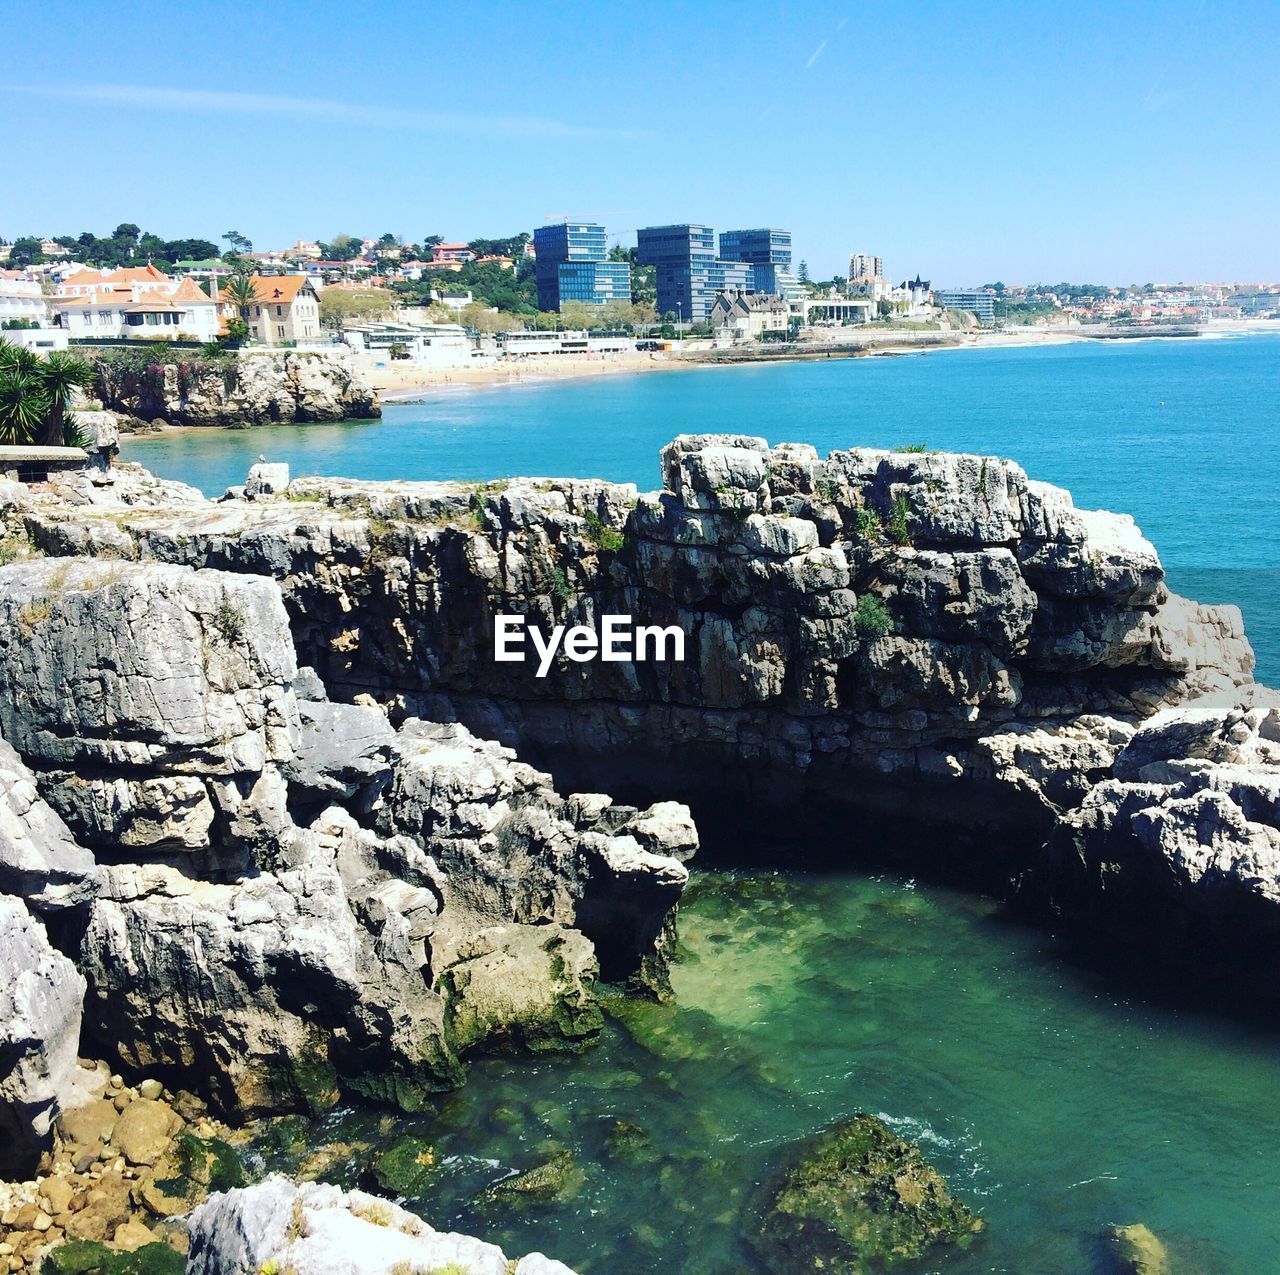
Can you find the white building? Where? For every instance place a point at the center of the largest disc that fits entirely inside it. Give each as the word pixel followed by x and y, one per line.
pixel 839 310
pixel 863 266
pixel 515 344
pixel 436 344
pixel 135 303
pixel 40 340
pixel 22 299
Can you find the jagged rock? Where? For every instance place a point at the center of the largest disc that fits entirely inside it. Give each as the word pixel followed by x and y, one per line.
pixel 258 387
pixel 341 749
pixel 267 990
pixel 40 861
pixel 1183 840
pixel 854 1198
pixel 525 987
pixel 40 1007
pixel 266 479
pixel 511 849
pixel 925 637
pixel 145 665
pixel 325 1231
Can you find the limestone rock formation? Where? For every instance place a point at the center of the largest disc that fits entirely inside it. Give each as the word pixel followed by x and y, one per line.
pixel 40 998
pixel 1182 840
pixel 295 900
pixel 39 859
pixel 155 700
pixel 325 1231
pixel 924 638
pixel 257 387
pixel 856 1198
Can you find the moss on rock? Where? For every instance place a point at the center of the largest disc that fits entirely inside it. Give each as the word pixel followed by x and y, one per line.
pixel 409 1166
pixel 856 1198
pixel 83 1257
pixel 556 1179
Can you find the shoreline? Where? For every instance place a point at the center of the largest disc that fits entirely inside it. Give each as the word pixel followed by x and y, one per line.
pixel 398 385
pixel 415 384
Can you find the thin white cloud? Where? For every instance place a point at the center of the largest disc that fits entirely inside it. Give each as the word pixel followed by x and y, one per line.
pixel 210 101
pixel 815 55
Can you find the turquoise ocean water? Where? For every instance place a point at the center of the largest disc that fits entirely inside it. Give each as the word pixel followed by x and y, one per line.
pixel 1183 435
pixel 1057 1096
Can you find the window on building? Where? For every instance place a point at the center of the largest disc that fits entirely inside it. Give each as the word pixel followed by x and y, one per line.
pixel 279 311
pixel 280 331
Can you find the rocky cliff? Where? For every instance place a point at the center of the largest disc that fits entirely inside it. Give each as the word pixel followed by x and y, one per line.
pixel 256 387
pixel 928 642
pixel 269 897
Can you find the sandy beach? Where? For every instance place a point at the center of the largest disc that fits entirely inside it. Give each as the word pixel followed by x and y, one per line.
pixel 401 381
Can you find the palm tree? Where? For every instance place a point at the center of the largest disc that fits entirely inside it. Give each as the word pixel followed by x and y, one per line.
pixel 240 291
pixel 34 394
pixel 23 402
pixel 61 374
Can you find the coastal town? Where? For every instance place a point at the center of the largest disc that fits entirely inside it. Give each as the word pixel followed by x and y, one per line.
pixel 571 294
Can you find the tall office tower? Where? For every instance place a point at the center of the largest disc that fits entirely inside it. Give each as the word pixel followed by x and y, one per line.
pixel 768 252
pixel 570 265
pixel 688 273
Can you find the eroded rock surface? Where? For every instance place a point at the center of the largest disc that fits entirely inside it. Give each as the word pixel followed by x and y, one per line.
pixel 246 931
pixel 40 1006
pixel 1183 836
pixel 257 387
pixel 325 1231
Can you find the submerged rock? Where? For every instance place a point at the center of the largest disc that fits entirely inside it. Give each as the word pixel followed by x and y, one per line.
pixel 557 1179
pixel 1137 1250
pixel 856 1198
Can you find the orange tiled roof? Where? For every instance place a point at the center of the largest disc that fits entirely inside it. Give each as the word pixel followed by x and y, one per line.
pixel 278 289
pixel 189 291
pixel 113 278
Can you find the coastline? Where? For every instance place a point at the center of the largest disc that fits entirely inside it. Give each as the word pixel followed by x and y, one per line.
pixel 406 383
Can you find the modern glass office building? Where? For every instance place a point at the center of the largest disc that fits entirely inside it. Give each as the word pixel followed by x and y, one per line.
pixel 581 246
pixel 759 247
pixel 591 282
pixel 688 272
pixel 976 302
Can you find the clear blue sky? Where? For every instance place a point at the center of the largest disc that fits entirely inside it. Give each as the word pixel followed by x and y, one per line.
pixel 969 141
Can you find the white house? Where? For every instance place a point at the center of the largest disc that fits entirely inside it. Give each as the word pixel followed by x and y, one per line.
pixel 21 299
pixel 137 303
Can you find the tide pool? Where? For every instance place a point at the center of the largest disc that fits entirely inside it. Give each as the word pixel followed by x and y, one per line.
pixel 1184 435
pixel 1055 1101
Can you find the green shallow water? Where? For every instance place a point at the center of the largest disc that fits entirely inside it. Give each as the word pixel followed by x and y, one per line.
pixel 1054 1102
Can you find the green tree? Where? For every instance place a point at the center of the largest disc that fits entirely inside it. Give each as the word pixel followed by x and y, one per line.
pixel 804 272
pixel 237 241
pixel 345 305
pixel 35 394
pixel 240 291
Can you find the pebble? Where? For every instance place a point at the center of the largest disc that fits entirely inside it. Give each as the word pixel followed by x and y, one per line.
pixel 42 1222
pixel 117 1082
pixel 150 1089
